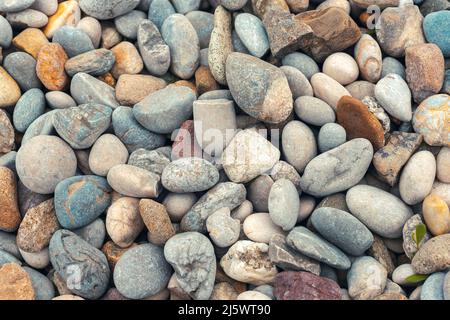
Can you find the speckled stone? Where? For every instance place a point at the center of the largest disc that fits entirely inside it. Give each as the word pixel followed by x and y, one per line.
pixel 27 18
pixel 50 67
pixel 10 218
pixel 7 134
pixel 409 231
pixel 434 26
pixel 366 278
pixel 107 9
pixel 157 221
pixel 30 40
pixel 15 283
pixel 433 255
pixel 222 228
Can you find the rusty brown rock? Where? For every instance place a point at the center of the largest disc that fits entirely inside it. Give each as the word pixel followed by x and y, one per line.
pixel 333 31
pixel 133 88
pixel 157 221
pixel 389 160
pixel 113 252
pixel 359 122
pixel 37 227
pixel 50 67
pixel 204 80
pixel 108 79
pixel 380 252
pixel 9 209
pixel 425 68
pixel 128 60
pixel 6 133
pixel 15 283
pixel 291 285
pixel 30 40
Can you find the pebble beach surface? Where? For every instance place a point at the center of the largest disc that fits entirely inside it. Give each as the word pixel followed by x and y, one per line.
pixel 224 150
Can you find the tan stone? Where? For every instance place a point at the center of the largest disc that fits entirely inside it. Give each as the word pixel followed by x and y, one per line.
pixel 15 283
pixel 131 89
pixel 50 67
pixel 9 210
pixel 68 14
pixel 128 60
pixel 30 40
pixel 436 215
pixel 157 221
pixel 9 90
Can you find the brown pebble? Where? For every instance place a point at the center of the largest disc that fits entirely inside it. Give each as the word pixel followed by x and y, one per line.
pixel 6 133
pixel 113 252
pixel 157 221
pixel 9 209
pixel 9 90
pixel 15 283
pixel 108 79
pixel 131 88
pixel 30 40
pixel 204 80
pixel 128 60
pixel 50 67
pixel 185 83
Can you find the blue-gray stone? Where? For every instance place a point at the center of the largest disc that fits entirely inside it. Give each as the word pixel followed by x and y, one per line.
pixel 41 126
pixel 433 287
pixel 59 100
pixel 22 67
pixel 107 9
pixel 238 45
pixel 302 62
pixel 43 287
pixel 153 161
pixel 343 230
pixel 74 41
pixel 144 5
pixel 436 28
pixel 29 107
pixel 184 6
pixel 80 200
pixel 447 286
pixel 184 46
pixel 9 160
pixel 132 134
pixel 94 233
pixel 392 65
pixel 165 110
pixel 128 24
pixel 252 33
pixel 313 246
pixel 5 33
pixel 216 94
pixel 328 272
pixel 15 5
pixel 8 244
pixel 203 23
pixel 94 62
pixel 82 267
pixel 233 4
pixel 142 271
pixel 159 11
pixel 84 88
pixel 6 257
pixel 331 135
pixel 81 126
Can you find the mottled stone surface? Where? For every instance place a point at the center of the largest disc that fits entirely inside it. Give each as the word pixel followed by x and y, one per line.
pixel 15 283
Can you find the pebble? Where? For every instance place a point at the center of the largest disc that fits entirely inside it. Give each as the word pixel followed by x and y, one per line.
pixel 361 89
pixel 432 288
pixel 30 40
pixel 30 106
pixel 432 256
pixel 374 207
pixel 15 5
pixel 417 177
pixel 369 58
pixel 248 155
pixel 6 33
pixel 65 248
pixel 447 287
pixel 259 88
pixel 50 67
pixel 248 262
pixel 259 227
pixel 342 67
pixel 366 279
pixel 154 161
pixel 85 89
pixel 159 11
pixel 353 158
pixel 92 28
pixel 141 271
pixel 258 192
pixel 15 283
pixel 203 23
pixel 443 165
pixel 94 233
pixel 283 170
pixel 106 9
pixel 59 100
pixel 6 257
pixel 27 18
pixel 68 13
pixel 392 65
pixel 393 94
pixel 223 230
pixel 127 24
pixel 301 285
pixel 311 245
pixel 284 204
pixel 409 233
pixel 331 135
pixel 133 181
pixel 94 62
pixel 23 68
pixel 434 26
pixel 252 33
pixel 401 273
pixel 128 60
pixel 80 200
pixel 298 144
pixel 191 254
pixel 42 286
pixel 298 83
pixel 442 190
pixel 304 63
pixel 328 89
pixel 157 221
pixel 10 218
pixel 41 126
pixel 107 152
pixel 380 252
pixel 436 215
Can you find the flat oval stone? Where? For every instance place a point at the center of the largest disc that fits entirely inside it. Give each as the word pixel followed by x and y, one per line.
pixel 184 47
pixel 374 207
pixel 15 5
pixel 165 110
pixel 85 88
pixel 351 159
pixel 74 41
pixel 225 194
pixel 343 230
pixel 80 200
pixel 432 288
pixel 159 10
pixel 366 279
pixel 302 62
pixel 44 162
pixel 128 60
pixel 154 51
pixel 134 182
pixel 22 67
pixel 427 120
pixel 436 214
pixel 392 92
pixel 331 135
pixel 141 271
pixel 252 33
pixel 311 245
pixel 341 67
pixel 50 67
pixel 434 26
pixel 92 28
pixel 132 134
pixel 417 177
pixel 107 152
pixel 284 204
pixel 189 175
pixel 433 255
pixel 47 7
pixel 259 227
pixel 259 88
pixel 107 9
pixel 10 218
pixel 94 62
pixel 81 126
pixel 298 83
pixel 59 100
pixel 299 144
pixel 6 33
pixel 10 90
pixel 29 107
pixel 191 254
pixel 328 89
pixel 369 58
pixel 83 267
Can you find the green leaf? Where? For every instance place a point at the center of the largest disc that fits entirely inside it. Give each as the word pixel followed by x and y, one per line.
pixel 416 278
pixel 419 234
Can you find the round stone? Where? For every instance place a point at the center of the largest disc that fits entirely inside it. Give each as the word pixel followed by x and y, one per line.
pixel 23 68
pixel 331 136
pixel 59 100
pixel 107 152
pixel 366 279
pixel 157 221
pixel 92 28
pixel 86 89
pixel 203 23
pixel 94 62
pixel 434 26
pixel 284 204
pixel 15 5
pixel 328 89
pixel 298 83
pixel 259 227
pixel 94 233
pixel 50 67
pixel 43 287
pixel 392 65
pixel 178 204
pixel 128 24
pixel 433 255
pixel 5 32
pixel 128 60
pixel 341 67
pixel 432 288
pixel 159 11
pixel 369 58
pixel 302 62
pixel 73 40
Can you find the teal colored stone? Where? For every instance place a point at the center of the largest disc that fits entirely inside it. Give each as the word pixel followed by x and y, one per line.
pixel 82 267
pixel 159 11
pixel 9 160
pixel 43 287
pixel 39 127
pixel 80 200
pixel 252 33
pixel 94 233
pixel 436 27
pixel 203 23
pixel 29 107
pixel 6 257
pixel 22 67
pixel 132 134
pixel 74 41
pixel 433 287
pixel 302 62
pixel 128 24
